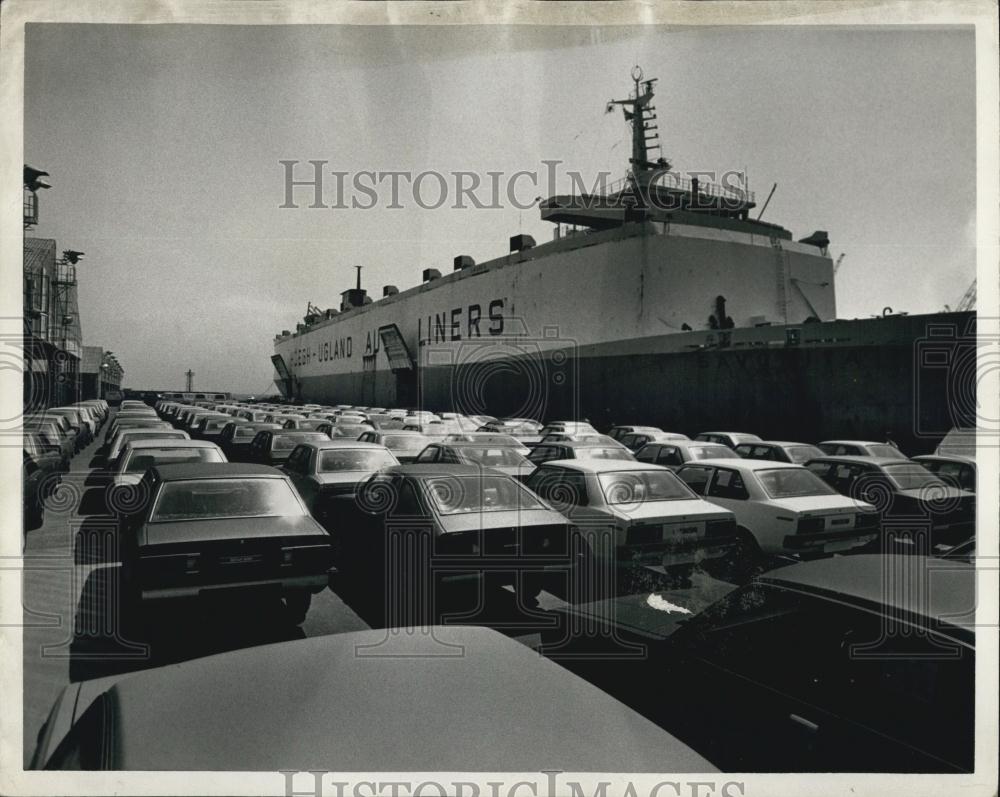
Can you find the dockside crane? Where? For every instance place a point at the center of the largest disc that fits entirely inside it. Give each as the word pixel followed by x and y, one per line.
pixel 968 300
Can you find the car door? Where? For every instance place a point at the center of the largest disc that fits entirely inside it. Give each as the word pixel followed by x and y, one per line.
pixel 669 457
pixel 647 453
pixel 697 477
pixel 296 467
pixel 728 489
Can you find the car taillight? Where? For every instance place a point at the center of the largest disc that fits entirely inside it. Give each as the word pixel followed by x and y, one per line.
pixel 291 554
pixel 810 525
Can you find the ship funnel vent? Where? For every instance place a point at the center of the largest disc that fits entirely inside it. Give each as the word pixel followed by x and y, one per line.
pixel 463 261
pixel 431 274
pixel 518 243
pixel 390 290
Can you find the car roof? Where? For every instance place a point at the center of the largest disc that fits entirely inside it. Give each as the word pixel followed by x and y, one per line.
pixel 776 443
pixel 601 465
pixel 212 470
pixel 398 431
pixel 861 580
pixel 342 442
pixel 402 691
pixel 169 442
pixel 743 464
pixel 862 460
pixel 440 469
pixel 740 434
pixel 946 458
pixel 583 443
pixel 855 442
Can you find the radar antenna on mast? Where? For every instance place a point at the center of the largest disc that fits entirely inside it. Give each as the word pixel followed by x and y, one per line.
pixel 641 114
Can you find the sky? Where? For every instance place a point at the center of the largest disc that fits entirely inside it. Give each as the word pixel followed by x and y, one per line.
pixel 164 143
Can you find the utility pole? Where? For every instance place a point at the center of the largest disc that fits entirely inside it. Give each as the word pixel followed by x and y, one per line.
pixel 190 380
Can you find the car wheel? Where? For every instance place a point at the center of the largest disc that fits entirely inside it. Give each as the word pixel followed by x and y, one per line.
pixel 297 606
pixel 744 560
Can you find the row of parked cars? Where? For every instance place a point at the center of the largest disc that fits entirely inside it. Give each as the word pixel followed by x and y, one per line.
pixel 251 497
pixel 52 437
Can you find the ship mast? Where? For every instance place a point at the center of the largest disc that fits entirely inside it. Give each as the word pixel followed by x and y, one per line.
pixel 641 114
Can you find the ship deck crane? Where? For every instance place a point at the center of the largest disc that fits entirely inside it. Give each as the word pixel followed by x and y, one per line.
pixel 968 300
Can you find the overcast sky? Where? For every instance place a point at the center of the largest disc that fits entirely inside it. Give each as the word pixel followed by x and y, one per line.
pixel 163 145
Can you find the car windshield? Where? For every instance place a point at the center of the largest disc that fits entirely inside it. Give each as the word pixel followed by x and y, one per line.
pixel 800 454
pixel 456 495
pixel 595 452
pixel 142 459
pixel 712 452
pixel 910 476
pixel 404 442
pixel 206 499
pixel 491 457
pixel 882 450
pixel 792 482
pixel 286 442
pixel 344 459
pixel 637 486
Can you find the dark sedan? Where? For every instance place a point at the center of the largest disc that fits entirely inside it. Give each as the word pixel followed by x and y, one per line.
pixel 416 700
pixel 918 511
pixel 503 458
pixel 41 467
pixel 196 527
pixel 469 524
pixel 273 447
pixel 236 437
pixel 842 664
pixel 546 452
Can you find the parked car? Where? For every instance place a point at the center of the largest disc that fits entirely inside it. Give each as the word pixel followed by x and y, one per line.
pixel 273 447
pixel 729 439
pixel 954 469
pixel 958 442
pixel 138 456
pixel 779 451
pixel 506 459
pixel 212 526
pixel 348 431
pixel 324 469
pixel 308 424
pixel 674 453
pixel 567 427
pixel 49 434
pixel 276 702
pixel 481 526
pixel 128 434
pixel 580 437
pixel 545 452
pixel 69 434
pixel 80 418
pixel 209 427
pixel 41 469
pixel 236 438
pixel 820 666
pixel 652 516
pixel 490 438
pixel 860 448
pixel 405 445
pixel 633 441
pixel 620 432
pixel 910 499
pixel 70 419
pixel 781 509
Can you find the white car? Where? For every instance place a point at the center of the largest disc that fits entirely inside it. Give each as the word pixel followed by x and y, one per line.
pixel 859 448
pixel 655 518
pixel 781 508
pixel 129 434
pixel 140 455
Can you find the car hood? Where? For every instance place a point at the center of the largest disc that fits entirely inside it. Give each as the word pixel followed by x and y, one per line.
pixel 183 531
pixel 822 504
pixel 670 511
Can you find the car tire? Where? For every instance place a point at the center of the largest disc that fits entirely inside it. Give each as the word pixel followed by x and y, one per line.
pixel 297 605
pixel 744 560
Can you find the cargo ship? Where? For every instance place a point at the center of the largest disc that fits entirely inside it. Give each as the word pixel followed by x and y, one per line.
pixel 659 300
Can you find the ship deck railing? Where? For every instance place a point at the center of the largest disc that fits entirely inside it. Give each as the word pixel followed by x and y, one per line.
pixel 674 183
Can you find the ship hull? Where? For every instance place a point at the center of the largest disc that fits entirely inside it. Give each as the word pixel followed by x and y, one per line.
pixel 866 379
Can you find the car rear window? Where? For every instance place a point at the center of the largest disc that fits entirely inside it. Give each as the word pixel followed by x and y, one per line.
pixel 351 459
pixel 588 452
pixel 638 486
pixel 404 442
pixel 911 476
pixel 204 499
pixel 457 495
pixel 286 442
pixel 712 452
pixel 142 459
pixel 801 454
pixel 883 450
pixel 793 482
pixel 491 457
